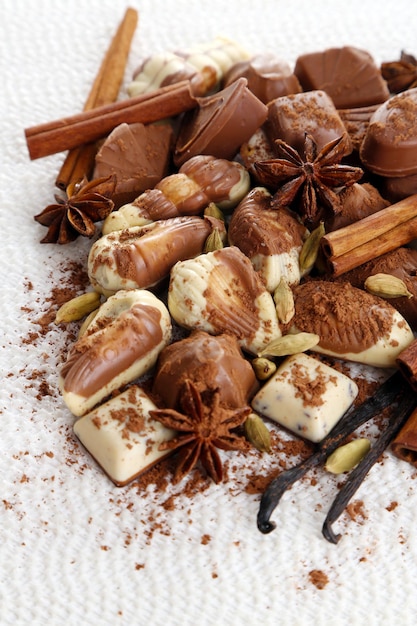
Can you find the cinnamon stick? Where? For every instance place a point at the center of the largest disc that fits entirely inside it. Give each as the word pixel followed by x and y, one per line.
pixel 404 445
pixel 105 89
pixel 407 364
pixel 384 231
pixel 91 125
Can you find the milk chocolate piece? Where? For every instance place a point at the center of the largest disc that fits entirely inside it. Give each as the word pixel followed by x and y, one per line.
pixel 404 446
pixel 357 201
pixel 399 187
pixel 349 75
pixel 291 117
pixel 210 362
pixel 220 124
pixel 138 154
pixel 268 77
pixel 389 147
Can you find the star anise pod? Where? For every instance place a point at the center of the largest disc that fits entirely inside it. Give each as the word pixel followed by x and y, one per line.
pixel 85 203
pixel 307 185
pixel 204 426
pixel 400 75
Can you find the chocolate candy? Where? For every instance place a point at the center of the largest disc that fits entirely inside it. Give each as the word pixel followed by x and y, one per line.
pixel 389 147
pixel 268 77
pixel 210 362
pixel 313 112
pixel 138 154
pixel 349 75
pixel 306 396
pixel 220 124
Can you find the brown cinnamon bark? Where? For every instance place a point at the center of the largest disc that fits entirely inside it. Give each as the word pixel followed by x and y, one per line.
pixel 89 126
pixel 374 235
pixel 79 162
pixel 407 363
pixel 404 446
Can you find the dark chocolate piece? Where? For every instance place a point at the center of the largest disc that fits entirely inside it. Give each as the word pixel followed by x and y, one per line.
pixel 349 75
pixel 389 147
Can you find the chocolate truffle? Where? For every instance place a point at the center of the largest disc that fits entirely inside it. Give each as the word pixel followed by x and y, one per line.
pixel 220 124
pixel 291 117
pixel 389 147
pixel 268 77
pixel 349 75
pixel 210 362
pixel 138 154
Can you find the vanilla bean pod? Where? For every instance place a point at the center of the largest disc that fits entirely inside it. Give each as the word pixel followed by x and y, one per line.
pixel 398 418
pixel 384 396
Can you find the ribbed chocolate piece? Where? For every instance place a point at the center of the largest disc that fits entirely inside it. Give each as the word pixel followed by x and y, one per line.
pixel 349 75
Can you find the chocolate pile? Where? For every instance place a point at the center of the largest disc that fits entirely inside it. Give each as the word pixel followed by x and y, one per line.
pixel 217 266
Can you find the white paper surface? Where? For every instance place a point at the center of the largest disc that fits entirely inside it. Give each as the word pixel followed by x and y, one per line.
pixel 76 550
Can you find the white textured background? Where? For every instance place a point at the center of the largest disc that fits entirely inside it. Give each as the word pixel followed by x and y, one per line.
pixel 73 548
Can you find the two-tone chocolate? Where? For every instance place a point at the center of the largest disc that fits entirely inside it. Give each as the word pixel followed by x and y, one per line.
pixel 220 292
pixel 142 256
pixel 351 323
pixel 271 238
pixel 121 344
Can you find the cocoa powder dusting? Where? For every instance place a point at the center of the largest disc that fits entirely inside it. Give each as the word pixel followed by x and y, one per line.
pixel 318 578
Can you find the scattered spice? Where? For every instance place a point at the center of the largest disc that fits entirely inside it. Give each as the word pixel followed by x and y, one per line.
pixel 318 578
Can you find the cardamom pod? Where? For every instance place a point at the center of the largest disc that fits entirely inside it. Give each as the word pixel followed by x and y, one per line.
pixel 284 301
pixel 263 368
pixel 212 210
pixel 257 433
pixel 310 249
pixel 291 344
pixel 78 307
pixel 386 286
pixel 86 322
pixel 213 242
pixel 346 457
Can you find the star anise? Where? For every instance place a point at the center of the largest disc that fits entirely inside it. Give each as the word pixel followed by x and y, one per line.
pixel 204 426
pixel 85 203
pixel 400 75
pixel 307 185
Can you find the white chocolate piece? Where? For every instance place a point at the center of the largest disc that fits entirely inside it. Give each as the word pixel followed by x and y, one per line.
pixel 306 397
pixel 121 344
pixel 122 437
pixel 272 267
pixel 220 292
